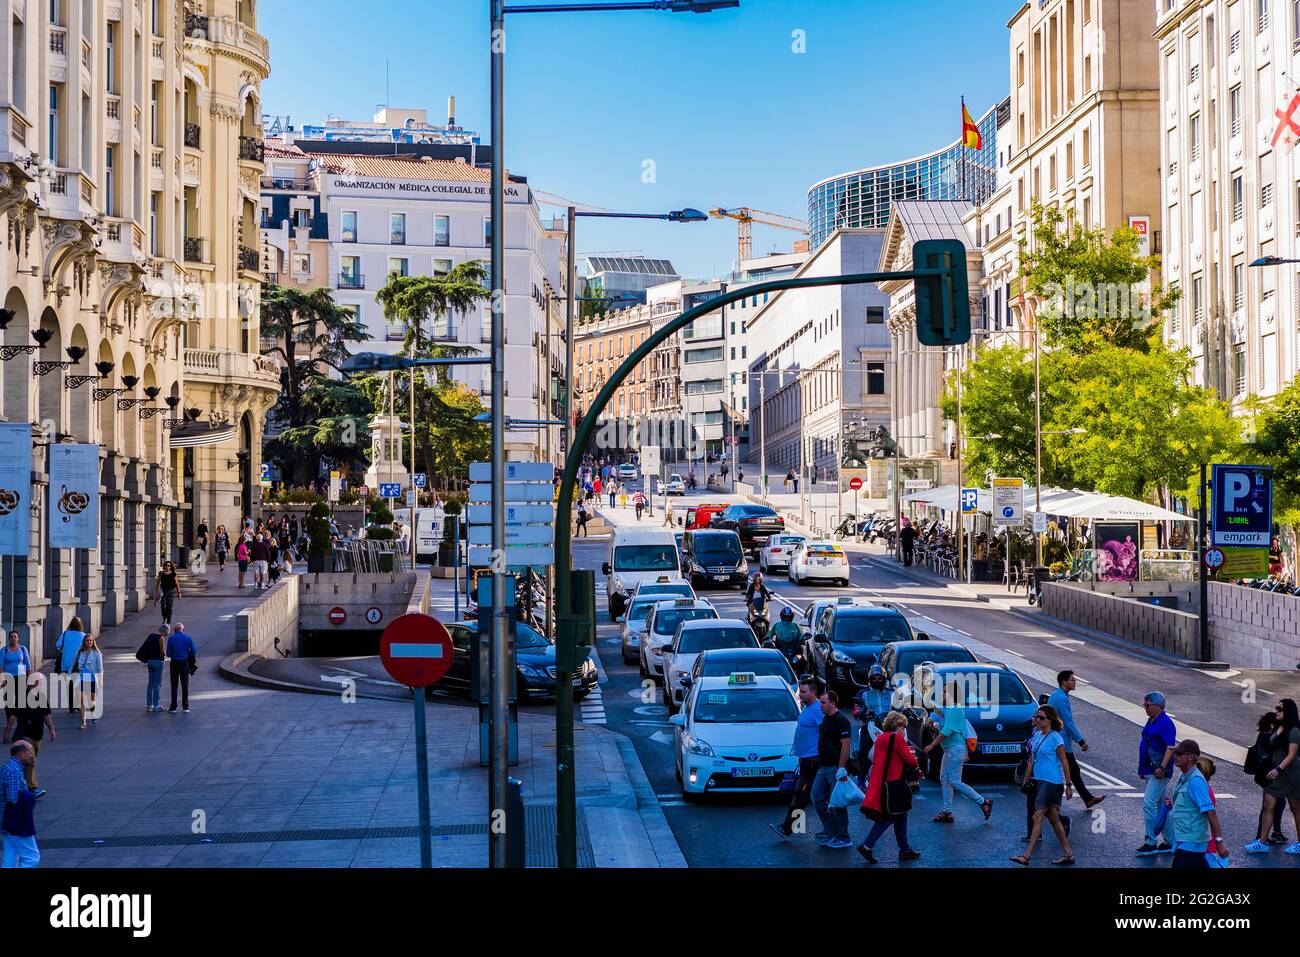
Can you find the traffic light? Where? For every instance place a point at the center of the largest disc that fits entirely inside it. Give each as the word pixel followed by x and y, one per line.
pixel 577 625
pixel 942 302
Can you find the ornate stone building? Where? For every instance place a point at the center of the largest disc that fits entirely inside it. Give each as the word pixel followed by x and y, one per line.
pixel 129 305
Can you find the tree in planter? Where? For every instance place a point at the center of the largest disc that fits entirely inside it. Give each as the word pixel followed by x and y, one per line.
pixel 379 521
pixel 311 332
pixel 318 530
pixel 447 550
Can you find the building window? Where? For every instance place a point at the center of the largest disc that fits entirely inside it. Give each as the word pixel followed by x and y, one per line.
pixel 691 356
pixel 110 186
pixel 875 378
pixel 442 230
pixel 398 266
pixel 301 263
pixel 1238 369
pixel 110 57
pixel 1238 199
pixel 441 267
pixel 397 229
pixel 875 315
pixel 1261 18
pixel 487 230
pixel 1194 137
pixel 1238 284
pixel 153 224
pixel 302 218
pixel 1087 74
pixel 350 272
pixel 349 226
pixel 1234 109
pixel 704 387
pixel 53 132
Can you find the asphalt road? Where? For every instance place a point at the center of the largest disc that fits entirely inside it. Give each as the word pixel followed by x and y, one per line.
pixel 732 830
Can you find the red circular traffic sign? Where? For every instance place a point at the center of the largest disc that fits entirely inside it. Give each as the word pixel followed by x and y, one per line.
pixel 855 483
pixel 338 615
pixel 416 650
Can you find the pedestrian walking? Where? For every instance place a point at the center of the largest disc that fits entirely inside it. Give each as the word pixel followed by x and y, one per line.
pixel 242 556
pixel 201 536
pixel 261 560
pixel 806 732
pixel 152 652
pixel 1259 761
pixel 18 820
pixel 907 538
pixel 67 646
pixel 183 654
pixel 29 720
pixel 622 497
pixel 166 590
pixel 89 668
pixel 15 660
pixel 582 520
pixel 952 739
pixel 1193 821
pixel 222 542
pixel 668 513
pixel 889 789
pixel 638 502
pixel 1048 774
pixel 1155 758
pixel 597 485
pixel 612 494
pixel 833 740
pixel 1282 779
pixel 1060 700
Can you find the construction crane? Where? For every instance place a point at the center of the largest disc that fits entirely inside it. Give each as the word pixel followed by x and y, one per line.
pixel 745 219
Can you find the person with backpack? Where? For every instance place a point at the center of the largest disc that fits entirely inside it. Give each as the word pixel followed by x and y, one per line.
pixel 15 660
pixel 152 652
pixel 889 788
pixel 1257 765
pixel 954 731
pixel 89 668
pixel 1282 777
pixel 1048 774
pixel 67 646
pixel 1060 700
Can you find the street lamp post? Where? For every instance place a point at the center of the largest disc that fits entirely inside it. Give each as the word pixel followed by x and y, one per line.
pixel 566 814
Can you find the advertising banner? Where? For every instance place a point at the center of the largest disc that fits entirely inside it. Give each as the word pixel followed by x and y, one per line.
pixel 15 488
pixel 74 496
pixel 1117 550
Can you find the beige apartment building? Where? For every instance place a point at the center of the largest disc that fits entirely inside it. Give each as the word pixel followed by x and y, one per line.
pixel 599 348
pixel 1081 135
pixel 1230 195
pixel 122 280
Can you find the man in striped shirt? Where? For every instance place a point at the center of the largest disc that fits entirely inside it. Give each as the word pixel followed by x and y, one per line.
pixel 19 850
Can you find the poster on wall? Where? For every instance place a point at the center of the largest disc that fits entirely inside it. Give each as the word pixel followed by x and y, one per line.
pixel 74 496
pixel 15 488
pixel 1117 550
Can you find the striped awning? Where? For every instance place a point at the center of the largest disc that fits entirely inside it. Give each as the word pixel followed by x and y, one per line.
pixel 194 434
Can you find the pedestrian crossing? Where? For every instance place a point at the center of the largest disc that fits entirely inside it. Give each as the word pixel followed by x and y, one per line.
pixel 592 707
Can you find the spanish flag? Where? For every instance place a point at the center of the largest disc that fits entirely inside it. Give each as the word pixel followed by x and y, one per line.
pixel 970 133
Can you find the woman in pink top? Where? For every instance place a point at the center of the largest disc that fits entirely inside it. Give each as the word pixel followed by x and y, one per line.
pixel 241 556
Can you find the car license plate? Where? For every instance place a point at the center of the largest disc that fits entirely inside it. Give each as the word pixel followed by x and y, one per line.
pixel 719 578
pixel 577 682
pixel 749 772
pixel 1010 748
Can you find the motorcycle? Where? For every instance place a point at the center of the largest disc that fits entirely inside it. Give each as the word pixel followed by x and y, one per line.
pixel 846 527
pixel 795 656
pixel 760 619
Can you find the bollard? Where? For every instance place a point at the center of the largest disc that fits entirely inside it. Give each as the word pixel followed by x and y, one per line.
pixel 515 824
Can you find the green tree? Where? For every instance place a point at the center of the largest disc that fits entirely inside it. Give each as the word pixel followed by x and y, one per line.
pixel 997 399
pixel 1273 438
pixel 446 436
pixel 311 334
pixel 415 302
pixel 1087 285
pixel 336 414
pixel 593 305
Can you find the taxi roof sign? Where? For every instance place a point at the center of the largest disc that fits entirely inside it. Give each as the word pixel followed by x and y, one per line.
pixel 685 603
pixel 661 579
pixel 743 678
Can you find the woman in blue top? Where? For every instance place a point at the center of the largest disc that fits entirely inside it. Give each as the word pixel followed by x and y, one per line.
pixel 89 668
pixel 16 660
pixel 952 738
pixel 1050 773
pixel 68 645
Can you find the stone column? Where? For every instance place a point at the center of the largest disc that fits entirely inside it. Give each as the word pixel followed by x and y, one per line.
pixel 111 552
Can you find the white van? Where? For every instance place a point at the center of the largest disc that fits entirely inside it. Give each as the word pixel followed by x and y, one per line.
pixel 428 535
pixel 638 555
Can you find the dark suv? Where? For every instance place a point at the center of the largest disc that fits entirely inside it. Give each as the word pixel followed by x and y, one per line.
pixel 755 524
pixel 847 640
pixel 713 557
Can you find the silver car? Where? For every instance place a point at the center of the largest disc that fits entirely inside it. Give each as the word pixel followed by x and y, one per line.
pixel 633 625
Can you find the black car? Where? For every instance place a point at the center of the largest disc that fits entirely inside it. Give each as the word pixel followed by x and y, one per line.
pixel 755 524
pixel 534 662
pixel 713 557
pixel 848 639
pixel 902 658
pixel 998 705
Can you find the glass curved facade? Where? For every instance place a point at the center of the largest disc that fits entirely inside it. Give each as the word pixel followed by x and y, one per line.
pixel 863 198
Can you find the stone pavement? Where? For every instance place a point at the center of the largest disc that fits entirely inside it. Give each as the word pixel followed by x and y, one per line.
pixel 273 778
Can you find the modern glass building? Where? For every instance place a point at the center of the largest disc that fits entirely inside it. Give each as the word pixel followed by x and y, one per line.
pixel 863 198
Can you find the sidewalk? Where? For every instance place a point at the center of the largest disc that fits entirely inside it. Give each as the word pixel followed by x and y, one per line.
pixel 260 777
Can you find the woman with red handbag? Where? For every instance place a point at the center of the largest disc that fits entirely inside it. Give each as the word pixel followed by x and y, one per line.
pixel 894 772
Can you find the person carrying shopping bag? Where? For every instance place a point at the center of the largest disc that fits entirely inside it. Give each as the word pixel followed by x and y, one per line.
pixel 894 769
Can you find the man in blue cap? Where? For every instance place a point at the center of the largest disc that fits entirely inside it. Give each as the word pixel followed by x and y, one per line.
pixel 1155 762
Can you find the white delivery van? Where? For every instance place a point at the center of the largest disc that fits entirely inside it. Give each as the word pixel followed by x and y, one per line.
pixel 638 555
pixel 428 535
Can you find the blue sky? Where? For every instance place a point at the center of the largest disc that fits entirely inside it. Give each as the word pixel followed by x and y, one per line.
pixel 727 111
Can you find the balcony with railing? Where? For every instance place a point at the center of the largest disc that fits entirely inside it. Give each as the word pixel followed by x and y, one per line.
pixel 351 280
pixel 59 41
pixel 252 148
pixel 197 26
pixel 250 259
pixel 226 365
pixel 229 32
pixel 113 108
pixel 196 249
pixel 193 135
pixel 287 183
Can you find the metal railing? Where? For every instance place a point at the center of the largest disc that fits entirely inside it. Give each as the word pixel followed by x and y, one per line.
pixel 249 258
pixel 193 136
pixel 194 248
pixel 351 280
pixel 252 148
pixel 362 555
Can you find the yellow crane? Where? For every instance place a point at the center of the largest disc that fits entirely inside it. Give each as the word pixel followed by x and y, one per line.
pixel 745 219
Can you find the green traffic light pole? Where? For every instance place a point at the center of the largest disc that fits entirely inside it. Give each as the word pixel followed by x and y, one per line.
pixel 570 625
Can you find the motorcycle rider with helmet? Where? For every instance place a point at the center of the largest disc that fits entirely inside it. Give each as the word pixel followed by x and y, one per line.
pixel 787 636
pixel 876 701
pixel 757 597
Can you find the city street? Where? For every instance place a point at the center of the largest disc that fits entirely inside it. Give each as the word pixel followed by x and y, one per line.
pixel 1207 706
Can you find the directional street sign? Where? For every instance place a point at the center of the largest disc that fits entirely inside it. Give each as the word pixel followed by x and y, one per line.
pixel 1009 501
pixel 515 535
pixel 416 650
pixel 390 490
pixel 410 498
pixel 515 472
pixel 515 514
pixel 515 492
pixel 970 501
pixel 517 556
pixel 420 480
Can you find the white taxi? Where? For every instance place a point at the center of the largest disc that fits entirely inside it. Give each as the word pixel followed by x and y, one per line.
pixel 819 561
pixel 775 555
pixel 676 485
pixel 735 734
pixel 693 638
pixel 661 625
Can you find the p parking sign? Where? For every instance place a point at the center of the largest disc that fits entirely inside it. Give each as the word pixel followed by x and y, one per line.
pixel 1242 513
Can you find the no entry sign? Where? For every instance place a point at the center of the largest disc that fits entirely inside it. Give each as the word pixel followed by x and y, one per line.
pixel 416 650
pixel 855 483
pixel 338 615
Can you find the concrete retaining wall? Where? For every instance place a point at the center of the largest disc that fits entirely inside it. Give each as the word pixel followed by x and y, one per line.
pixel 1254 629
pixel 354 592
pixel 1187 593
pixel 1173 632
pixel 419 600
pixel 270 628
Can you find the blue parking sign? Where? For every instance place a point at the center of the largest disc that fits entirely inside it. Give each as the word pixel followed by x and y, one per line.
pixel 390 489
pixel 970 500
pixel 1242 505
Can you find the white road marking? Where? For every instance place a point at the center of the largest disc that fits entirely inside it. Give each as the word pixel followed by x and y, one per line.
pixel 663 737
pixel 1221 675
pixel 1065 643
